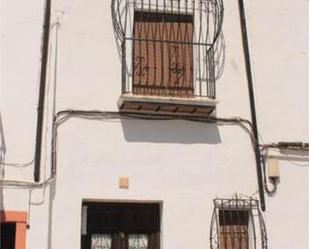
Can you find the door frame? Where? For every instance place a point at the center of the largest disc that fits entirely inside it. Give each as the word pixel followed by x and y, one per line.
pixel 20 219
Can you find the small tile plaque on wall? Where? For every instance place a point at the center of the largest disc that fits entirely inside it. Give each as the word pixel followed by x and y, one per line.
pixel 123 182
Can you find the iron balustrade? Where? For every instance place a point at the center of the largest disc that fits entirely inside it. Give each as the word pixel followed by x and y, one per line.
pixel 168 47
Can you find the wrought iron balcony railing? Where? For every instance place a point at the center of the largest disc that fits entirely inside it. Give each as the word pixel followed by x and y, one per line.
pixel 167 46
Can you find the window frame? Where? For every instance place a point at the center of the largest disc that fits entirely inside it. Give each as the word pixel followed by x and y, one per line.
pixel 119 222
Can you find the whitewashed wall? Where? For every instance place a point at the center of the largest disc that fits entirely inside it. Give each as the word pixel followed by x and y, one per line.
pixel 279 44
pixel 184 165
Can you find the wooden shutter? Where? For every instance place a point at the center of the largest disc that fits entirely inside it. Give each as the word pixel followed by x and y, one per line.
pixel 234 236
pixel 233 229
pixel 163 54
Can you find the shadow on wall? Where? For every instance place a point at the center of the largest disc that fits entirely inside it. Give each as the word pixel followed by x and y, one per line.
pixel 293 156
pixel 178 131
pixel 172 131
pixel 219 56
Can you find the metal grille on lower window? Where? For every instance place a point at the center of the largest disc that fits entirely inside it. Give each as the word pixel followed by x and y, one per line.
pixel 120 226
pixel 237 224
pixel 234 229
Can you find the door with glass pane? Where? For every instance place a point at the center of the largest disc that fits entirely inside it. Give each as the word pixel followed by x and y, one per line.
pixel 121 226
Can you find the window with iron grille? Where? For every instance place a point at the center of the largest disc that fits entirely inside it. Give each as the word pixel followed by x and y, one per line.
pixel 163 54
pixel 167 46
pixel 120 226
pixel 237 224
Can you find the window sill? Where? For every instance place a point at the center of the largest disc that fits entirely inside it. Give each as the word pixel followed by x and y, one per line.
pixel 195 106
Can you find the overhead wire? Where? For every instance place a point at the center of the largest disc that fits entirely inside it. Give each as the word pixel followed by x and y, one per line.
pixel 11 164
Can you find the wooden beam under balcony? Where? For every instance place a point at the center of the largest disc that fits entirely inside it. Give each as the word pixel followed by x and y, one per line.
pixel 201 106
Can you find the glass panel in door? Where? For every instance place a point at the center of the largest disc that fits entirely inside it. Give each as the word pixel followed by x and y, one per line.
pixel 101 241
pixel 138 241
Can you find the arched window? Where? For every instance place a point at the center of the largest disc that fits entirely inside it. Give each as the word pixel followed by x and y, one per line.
pixel 237 224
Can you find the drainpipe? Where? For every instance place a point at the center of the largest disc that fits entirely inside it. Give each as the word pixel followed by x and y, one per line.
pixel 252 102
pixel 41 101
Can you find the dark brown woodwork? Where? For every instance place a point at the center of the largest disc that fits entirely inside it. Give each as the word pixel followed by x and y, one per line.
pixel 122 219
pixel 163 54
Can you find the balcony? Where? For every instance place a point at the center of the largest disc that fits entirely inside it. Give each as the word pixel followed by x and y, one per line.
pixel 167 51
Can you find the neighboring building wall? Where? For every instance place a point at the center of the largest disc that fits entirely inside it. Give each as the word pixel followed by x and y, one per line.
pixel 183 165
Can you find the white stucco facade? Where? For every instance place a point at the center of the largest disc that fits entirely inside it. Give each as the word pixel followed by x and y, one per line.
pixel 180 164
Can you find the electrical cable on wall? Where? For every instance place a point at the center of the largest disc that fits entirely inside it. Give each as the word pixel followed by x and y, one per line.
pixel 30 184
pixel 21 165
pixel 63 116
pixel 287 147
